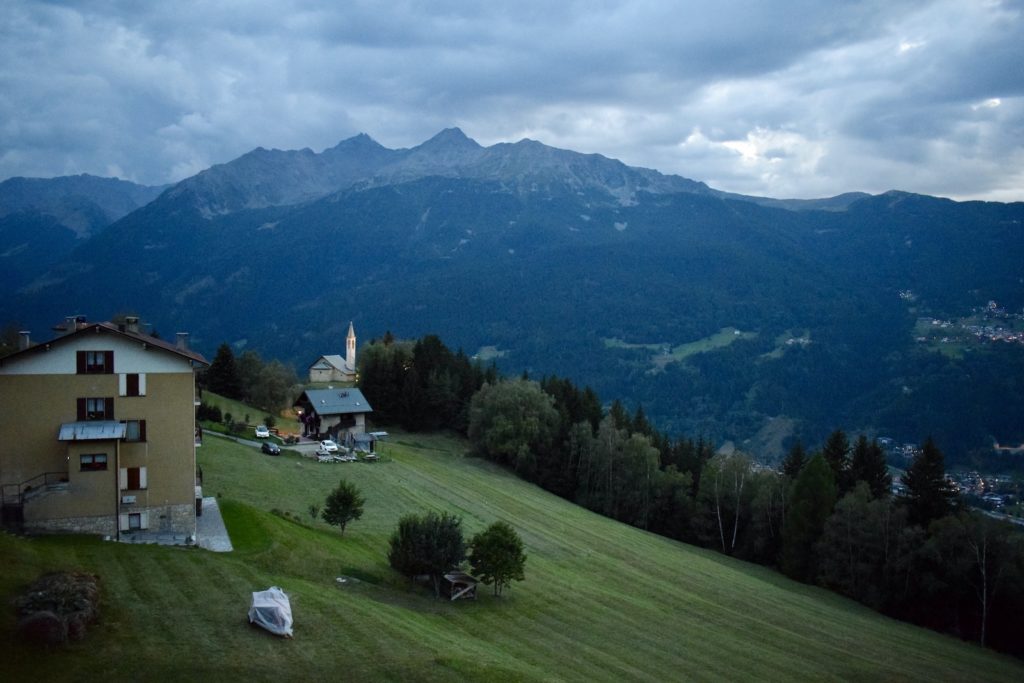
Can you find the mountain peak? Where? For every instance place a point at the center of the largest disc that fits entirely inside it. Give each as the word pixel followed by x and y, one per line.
pixel 451 137
pixel 362 141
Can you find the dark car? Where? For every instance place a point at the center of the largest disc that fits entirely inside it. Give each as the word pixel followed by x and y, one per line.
pixel 270 448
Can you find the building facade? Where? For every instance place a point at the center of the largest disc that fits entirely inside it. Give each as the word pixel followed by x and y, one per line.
pixel 99 433
pixel 335 368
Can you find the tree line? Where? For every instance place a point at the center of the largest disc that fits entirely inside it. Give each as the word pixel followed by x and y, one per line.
pixel 826 517
pixel 268 385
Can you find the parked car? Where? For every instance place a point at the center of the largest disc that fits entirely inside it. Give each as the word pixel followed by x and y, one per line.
pixel 262 432
pixel 270 448
pixel 328 446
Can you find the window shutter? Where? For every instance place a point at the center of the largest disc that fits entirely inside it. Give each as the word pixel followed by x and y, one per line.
pixel 142 431
pixel 142 383
pixel 108 362
pixel 108 408
pixel 144 520
pixel 122 385
pixel 122 522
pixel 122 478
pixel 142 478
pixel 80 362
pixel 81 410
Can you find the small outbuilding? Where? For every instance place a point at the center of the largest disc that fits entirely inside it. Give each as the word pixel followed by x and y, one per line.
pixel 458 585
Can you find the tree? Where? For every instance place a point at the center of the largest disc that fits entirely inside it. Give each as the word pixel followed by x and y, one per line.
pixel 429 545
pixel 868 465
pixel 837 454
pixel 795 459
pixel 343 505
pixel 496 556
pixel 511 422
pixel 978 553
pixel 929 495
pixel 222 376
pixel 724 499
pixel 810 504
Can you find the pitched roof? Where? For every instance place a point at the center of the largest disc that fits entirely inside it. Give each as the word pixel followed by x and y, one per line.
pixel 105 327
pixel 331 361
pixel 335 401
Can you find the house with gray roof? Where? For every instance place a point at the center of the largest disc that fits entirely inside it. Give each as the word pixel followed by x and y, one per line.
pixel 335 412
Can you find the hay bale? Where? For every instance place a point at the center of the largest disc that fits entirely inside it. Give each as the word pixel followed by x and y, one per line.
pixel 43 627
pixel 58 606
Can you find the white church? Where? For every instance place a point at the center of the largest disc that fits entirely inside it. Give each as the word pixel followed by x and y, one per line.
pixel 334 368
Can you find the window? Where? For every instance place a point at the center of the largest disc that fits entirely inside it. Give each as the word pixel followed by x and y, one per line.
pixel 96 408
pixel 133 521
pixel 132 384
pixel 95 362
pixel 132 478
pixel 93 462
pixel 134 430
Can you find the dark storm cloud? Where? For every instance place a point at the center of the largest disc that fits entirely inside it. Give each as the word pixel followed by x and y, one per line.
pixel 795 98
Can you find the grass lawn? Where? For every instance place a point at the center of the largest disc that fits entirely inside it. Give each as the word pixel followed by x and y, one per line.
pixel 663 354
pixel 601 601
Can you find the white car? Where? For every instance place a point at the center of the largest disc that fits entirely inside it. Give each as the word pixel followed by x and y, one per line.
pixel 262 432
pixel 328 446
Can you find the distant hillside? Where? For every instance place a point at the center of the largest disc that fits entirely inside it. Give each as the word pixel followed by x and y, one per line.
pixel 574 264
pixel 42 219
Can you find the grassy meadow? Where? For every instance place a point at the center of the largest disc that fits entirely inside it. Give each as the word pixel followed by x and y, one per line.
pixel 601 601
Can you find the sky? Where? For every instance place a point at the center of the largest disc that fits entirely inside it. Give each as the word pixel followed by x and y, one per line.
pixel 788 98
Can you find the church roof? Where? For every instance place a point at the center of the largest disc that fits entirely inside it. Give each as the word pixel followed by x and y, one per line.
pixel 331 361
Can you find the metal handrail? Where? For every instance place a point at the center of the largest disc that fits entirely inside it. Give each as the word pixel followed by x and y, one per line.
pixel 28 485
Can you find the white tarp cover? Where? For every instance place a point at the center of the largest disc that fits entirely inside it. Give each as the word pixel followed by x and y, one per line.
pixel 272 610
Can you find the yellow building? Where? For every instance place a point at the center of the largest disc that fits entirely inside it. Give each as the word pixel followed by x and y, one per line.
pixel 99 432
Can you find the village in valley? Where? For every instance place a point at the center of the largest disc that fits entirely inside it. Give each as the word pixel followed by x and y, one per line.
pixel 987 324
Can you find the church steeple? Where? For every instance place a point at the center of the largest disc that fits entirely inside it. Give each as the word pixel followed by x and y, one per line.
pixel 350 348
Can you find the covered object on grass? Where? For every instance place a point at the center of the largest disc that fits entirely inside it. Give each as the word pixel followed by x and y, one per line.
pixel 272 610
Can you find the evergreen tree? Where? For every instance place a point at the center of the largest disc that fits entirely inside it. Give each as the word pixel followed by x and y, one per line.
pixel 868 465
pixel 222 376
pixel 929 495
pixel 837 454
pixel 810 504
pixel 795 459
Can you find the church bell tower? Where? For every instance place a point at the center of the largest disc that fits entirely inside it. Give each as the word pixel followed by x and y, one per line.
pixel 350 348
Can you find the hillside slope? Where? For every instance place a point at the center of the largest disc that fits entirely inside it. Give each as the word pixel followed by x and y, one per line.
pixel 602 601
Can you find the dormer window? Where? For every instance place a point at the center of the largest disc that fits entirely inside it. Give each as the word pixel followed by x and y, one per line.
pixel 95 362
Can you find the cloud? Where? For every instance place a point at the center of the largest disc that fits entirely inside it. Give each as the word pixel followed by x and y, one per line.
pixel 795 98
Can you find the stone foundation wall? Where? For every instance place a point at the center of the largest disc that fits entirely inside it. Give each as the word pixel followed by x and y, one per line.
pixel 173 519
pixel 179 520
pixel 99 526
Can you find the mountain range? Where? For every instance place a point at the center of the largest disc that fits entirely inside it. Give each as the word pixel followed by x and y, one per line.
pixel 749 319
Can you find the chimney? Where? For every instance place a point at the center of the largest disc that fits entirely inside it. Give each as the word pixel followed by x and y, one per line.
pixel 182 342
pixel 70 323
pixel 131 324
pixel 23 340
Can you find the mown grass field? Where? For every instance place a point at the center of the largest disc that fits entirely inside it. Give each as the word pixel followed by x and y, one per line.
pixel 602 601
pixel 663 354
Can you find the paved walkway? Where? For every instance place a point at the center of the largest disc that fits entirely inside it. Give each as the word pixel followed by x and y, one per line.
pixel 211 533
